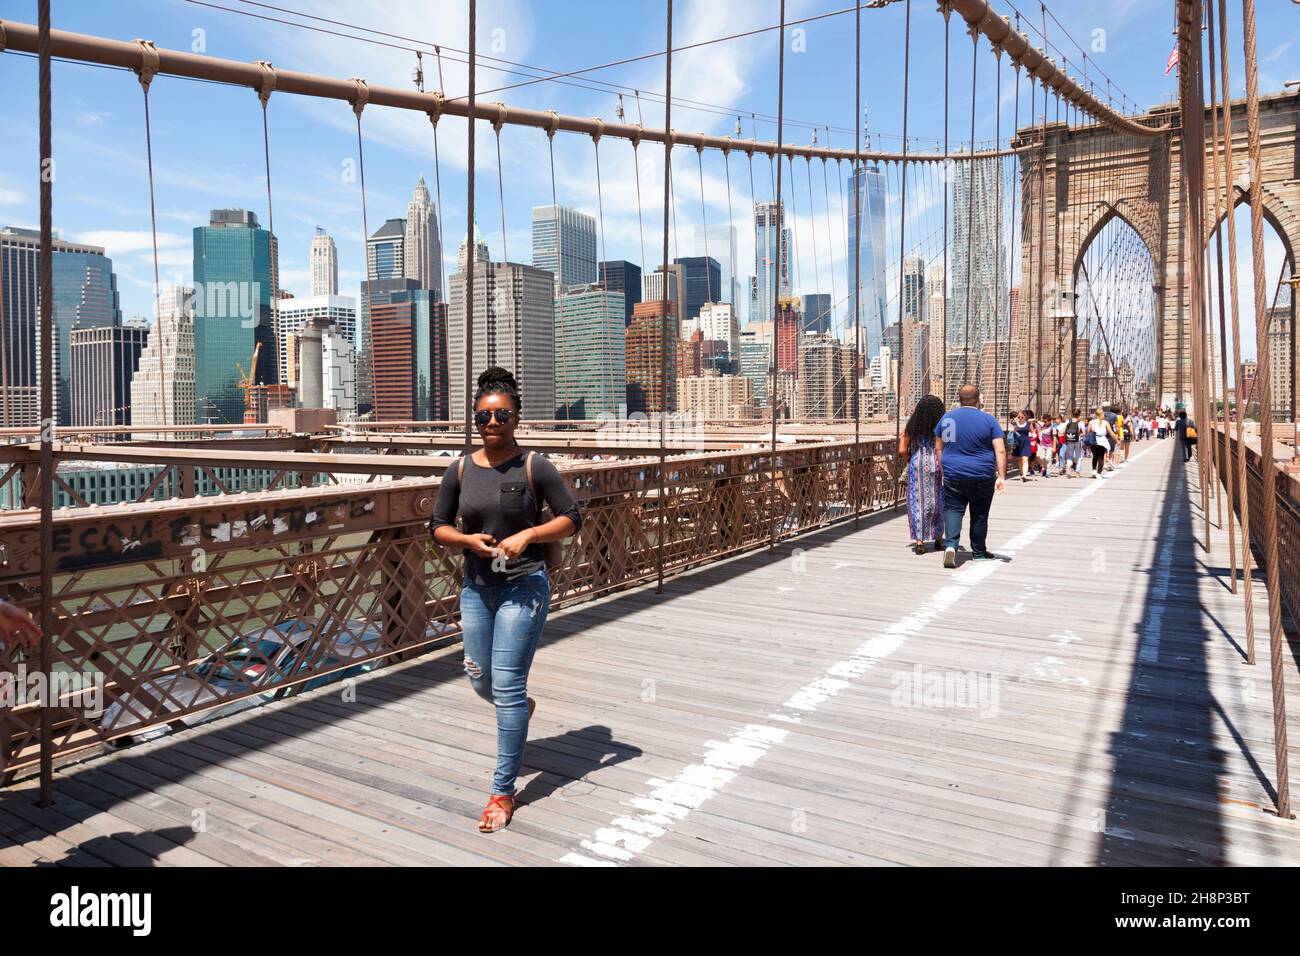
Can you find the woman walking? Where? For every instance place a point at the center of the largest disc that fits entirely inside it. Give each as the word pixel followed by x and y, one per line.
pixel 924 475
pixel 1101 436
pixel 498 492
pixel 1024 441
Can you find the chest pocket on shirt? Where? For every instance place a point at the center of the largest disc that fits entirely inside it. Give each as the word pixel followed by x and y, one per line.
pixel 514 497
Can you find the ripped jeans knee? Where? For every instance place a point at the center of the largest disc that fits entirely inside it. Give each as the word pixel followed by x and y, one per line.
pixel 480 681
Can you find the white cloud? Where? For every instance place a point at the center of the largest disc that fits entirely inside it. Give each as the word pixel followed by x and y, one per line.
pixel 117 242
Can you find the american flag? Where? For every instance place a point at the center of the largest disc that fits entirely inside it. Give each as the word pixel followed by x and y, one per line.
pixel 1172 61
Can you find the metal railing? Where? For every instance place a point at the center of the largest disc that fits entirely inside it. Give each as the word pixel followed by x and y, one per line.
pixel 1286 499
pixel 186 606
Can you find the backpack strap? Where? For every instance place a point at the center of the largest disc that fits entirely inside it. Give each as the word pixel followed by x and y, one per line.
pixel 528 474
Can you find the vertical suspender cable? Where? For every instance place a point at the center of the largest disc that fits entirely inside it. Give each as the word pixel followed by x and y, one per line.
pixel 146 77
pixel 970 191
pixel 48 637
pixel 664 340
pixel 776 271
pixel 607 346
pixel 1219 451
pixel 1012 245
pixel 469 231
pixel 902 250
pixel 859 361
pixel 997 230
pixel 268 84
pixel 437 185
pixel 1230 224
pixel 501 200
pixel 947 179
pixel 704 220
pixel 1278 657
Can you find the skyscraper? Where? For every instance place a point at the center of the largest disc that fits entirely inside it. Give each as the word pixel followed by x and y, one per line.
pixel 868 185
pixel 652 357
pixel 913 289
pixel 619 275
pixel 324 264
pixel 162 390
pixel 652 288
pixel 590 361
pixel 374 293
pixel 564 244
pixel 422 247
pixel 768 219
pixel 977 245
pixel 703 283
pixel 817 312
pixel 104 361
pixel 385 263
pixel 718 242
pixel 410 366
pixel 386 251
pixel 85 296
pixel 826 385
pixel 717 322
pixel 755 363
pixel 233 270
pixel 935 318
pixel 514 327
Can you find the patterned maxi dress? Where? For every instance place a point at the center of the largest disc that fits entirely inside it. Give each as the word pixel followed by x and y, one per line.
pixel 924 493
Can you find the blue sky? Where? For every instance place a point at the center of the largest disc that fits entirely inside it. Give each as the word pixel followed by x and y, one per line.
pixel 208 144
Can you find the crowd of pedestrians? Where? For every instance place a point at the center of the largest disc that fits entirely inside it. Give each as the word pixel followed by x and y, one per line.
pixel 957 460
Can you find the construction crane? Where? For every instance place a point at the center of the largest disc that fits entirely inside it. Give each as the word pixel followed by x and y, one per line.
pixel 246 378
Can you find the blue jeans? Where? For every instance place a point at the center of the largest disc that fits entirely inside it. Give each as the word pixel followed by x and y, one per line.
pixel 501 626
pixel 958 494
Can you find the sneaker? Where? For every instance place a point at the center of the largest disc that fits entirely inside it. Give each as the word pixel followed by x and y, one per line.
pixel 1094 474
pixel 983 556
pixel 950 557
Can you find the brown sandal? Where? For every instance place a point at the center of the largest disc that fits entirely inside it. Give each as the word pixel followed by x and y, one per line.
pixel 499 805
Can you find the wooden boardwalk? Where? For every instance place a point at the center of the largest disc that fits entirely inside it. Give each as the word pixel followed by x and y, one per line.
pixel 839 701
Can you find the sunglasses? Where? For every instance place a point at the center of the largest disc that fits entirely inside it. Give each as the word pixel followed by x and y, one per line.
pixel 503 415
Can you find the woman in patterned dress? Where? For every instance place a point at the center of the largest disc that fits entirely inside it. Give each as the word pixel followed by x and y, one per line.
pixel 924 475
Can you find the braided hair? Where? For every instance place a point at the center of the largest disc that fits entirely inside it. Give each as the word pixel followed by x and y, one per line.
pixel 496 379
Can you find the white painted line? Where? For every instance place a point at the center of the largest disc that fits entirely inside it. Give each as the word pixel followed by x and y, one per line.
pixel 669 801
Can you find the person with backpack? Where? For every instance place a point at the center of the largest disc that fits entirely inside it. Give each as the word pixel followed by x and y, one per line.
pixel 498 493
pixel 1071 445
pixel 1186 431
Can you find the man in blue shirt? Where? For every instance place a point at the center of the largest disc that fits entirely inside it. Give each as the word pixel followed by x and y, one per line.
pixel 973 454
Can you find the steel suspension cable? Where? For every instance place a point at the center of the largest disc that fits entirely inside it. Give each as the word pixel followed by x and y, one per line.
pixel 146 78
pixel 776 277
pixel 970 192
pixel 664 325
pixel 902 246
pixel 1277 649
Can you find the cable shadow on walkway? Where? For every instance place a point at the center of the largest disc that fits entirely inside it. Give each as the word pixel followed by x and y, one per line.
pixel 1163 806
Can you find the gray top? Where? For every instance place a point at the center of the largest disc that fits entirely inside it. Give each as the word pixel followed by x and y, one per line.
pixel 497 500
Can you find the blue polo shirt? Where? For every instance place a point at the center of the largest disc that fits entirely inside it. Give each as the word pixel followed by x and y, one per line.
pixel 968 435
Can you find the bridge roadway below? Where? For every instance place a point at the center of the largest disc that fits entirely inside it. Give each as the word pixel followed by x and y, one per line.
pixel 841 700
